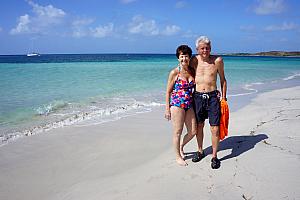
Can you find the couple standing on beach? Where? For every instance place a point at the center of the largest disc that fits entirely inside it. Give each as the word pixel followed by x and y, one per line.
pixel 192 97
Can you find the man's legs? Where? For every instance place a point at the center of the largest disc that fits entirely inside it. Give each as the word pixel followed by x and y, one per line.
pixel 215 162
pixel 200 154
pixel 214 114
pixel 214 140
pixel 200 136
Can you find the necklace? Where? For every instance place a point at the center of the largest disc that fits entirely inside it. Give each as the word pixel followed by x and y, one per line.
pixel 181 69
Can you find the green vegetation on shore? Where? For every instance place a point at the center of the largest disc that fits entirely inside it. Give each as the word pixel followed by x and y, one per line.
pixel 269 53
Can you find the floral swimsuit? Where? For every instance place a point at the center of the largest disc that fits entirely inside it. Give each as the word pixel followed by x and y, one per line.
pixel 181 95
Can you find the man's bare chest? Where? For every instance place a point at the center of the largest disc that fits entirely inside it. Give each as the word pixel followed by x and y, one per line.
pixel 206 69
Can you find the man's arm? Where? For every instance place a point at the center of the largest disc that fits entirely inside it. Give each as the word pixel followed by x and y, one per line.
pixel 223 81
pixel 193 65
pixel 194 62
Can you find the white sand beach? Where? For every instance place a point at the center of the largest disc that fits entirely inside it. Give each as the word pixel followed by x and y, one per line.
pixel 133 158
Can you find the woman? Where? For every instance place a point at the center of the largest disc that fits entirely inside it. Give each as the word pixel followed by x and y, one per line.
pixel 179 99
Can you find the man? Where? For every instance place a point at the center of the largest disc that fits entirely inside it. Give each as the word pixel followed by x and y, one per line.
pixel 206 96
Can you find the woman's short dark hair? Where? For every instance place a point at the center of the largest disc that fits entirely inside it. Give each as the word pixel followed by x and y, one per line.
pixel 184 49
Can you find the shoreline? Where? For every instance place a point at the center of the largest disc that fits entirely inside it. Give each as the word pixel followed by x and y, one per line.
pixel 239 100
pixel 133 158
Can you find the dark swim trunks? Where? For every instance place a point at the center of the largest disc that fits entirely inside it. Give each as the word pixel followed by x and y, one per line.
pixel 207 105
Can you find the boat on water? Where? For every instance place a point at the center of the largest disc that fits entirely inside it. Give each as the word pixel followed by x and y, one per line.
pixel 33 54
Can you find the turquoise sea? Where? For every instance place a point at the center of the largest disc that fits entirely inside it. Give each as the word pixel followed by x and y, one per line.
pixel 49 91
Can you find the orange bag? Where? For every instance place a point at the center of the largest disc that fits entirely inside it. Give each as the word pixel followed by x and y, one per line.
pixel 224 120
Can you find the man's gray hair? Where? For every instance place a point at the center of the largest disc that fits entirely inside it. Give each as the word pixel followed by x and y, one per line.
pixel 203 39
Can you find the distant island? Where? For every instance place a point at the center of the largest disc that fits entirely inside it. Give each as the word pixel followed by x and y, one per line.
pixel 268 53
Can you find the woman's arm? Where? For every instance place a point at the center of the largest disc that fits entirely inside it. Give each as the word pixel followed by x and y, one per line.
pixel 170 85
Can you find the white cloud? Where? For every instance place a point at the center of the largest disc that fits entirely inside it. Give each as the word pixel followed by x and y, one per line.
pixel 283 27
pixel 102 31
pixel 283 40
pixel 79 27
pixel 266 7
pixel 139 25
pixel 82 22
pixel 189 34
pixel 247 28
pixel 171 30
pixel 251 38
pixel 180 4
pixel 127 1
pixel 78 33
pixel 23 25
pixel 43 18
pixel 82 28
pixel 49 12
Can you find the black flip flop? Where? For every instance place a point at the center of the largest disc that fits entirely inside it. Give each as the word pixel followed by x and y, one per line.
pixel 215 163
pixel 198 156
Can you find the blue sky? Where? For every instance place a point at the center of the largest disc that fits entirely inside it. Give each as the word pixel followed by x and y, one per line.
pixel 147 26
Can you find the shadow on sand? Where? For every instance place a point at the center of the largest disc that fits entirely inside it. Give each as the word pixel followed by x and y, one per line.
pixel 237 144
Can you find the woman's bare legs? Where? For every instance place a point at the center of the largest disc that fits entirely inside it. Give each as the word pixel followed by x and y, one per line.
pixel 178 118
pixel 191 126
